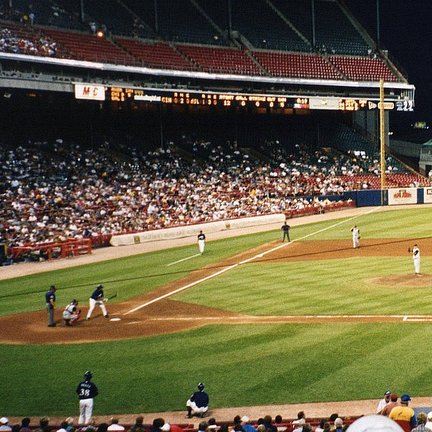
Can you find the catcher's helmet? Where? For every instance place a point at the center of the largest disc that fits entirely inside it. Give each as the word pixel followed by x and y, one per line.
pixel 200 386
pixel 88 375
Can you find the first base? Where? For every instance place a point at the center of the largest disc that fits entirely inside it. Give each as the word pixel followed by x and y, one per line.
pixel 115 319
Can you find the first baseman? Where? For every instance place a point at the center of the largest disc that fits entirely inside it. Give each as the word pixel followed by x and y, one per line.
pixel 97 298
pixel 86 391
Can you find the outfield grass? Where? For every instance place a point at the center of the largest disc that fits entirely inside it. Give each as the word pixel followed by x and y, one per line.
pixel 240 364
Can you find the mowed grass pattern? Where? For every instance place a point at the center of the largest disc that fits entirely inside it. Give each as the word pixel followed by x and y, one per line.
pixel 240 364
pixel 316 288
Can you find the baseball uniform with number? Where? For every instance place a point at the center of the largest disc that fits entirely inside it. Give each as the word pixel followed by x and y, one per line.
pixel 86 391
pixel 97 298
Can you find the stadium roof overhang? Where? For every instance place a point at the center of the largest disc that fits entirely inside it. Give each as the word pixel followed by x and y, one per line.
pixel 114 75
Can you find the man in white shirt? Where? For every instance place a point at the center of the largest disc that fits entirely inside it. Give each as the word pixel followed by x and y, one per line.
pixel 383 402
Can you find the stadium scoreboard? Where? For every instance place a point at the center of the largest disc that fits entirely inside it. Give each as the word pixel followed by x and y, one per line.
pixel 218 99
pixel 177 97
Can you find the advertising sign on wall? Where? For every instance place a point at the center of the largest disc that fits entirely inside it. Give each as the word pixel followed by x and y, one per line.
pixel 402 196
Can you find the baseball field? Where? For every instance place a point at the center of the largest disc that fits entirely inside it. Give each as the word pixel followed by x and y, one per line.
pixel 258 321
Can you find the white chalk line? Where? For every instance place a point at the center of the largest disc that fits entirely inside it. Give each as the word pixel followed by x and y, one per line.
pixel 183 259
pixel 181 289
pixel 287 318
pixel 260 255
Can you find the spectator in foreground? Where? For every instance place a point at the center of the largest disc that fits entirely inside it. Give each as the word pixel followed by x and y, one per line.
pixel 393 403
pixel 139 425
pixel 247 427
pixel 4 425
pixel 383 402
pixel 115 426
pixel 403 415
pixel 374 423
pixel 421 423
pixel 25 425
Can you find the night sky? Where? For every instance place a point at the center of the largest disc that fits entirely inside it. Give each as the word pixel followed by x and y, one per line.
pixel 406 31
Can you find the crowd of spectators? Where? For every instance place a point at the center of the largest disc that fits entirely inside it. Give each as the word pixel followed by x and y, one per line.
pixel 333 423
pixel 54 191
pixel 38 45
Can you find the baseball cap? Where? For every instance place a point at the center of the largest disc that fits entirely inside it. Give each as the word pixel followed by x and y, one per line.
pixel 405 397
pixel 165 427
pixel 429 416
pixel 338 422
pixel 245 419
pixel 374 423
pixel 387 393
pixel 4 420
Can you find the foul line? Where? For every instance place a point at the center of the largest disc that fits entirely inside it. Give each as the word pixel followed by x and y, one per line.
pixel 181 289
pixel 183 259
pixel 260 255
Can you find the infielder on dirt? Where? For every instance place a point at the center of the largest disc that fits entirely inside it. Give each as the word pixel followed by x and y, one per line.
pixel 97 298
pixel 355 236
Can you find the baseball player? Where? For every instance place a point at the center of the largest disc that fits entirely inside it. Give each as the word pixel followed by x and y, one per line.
pixel 285 229
pixel 416 258
pixel 355 236
pixel 71 314
pixel 86 391
pixel 198 402
pixel 97 298
pixel 50 299
pixel 201 242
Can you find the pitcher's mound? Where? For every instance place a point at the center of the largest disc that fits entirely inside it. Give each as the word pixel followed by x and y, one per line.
pixel 404 280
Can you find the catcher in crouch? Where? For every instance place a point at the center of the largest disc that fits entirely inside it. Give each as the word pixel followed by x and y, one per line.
pixel 97 298
pixel 71 314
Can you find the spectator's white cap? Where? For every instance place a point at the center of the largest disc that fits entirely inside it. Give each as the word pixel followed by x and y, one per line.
pixel 374 423
pixel 429 416
pixel 4 420
pixel 166 427
pixel 245 419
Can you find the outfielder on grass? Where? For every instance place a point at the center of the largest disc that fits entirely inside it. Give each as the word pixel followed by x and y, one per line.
pixel 97 298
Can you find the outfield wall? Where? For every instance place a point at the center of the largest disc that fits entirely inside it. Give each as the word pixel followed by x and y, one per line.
pixel 191 230
pixel 393 196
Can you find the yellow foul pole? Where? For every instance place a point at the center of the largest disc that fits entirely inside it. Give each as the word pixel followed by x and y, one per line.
pixel 382 139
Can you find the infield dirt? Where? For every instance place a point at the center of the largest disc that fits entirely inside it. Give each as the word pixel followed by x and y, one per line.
pixel 169 316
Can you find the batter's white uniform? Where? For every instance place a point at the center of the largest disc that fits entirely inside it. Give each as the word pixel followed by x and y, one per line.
pixel 416 259
pixel 201 242
pixel 355 236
